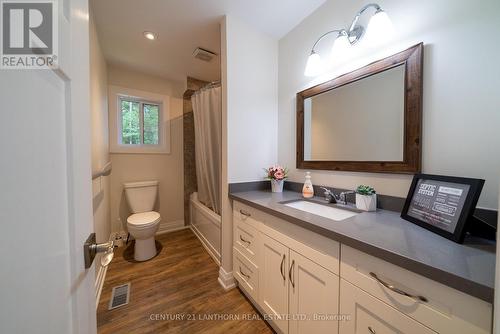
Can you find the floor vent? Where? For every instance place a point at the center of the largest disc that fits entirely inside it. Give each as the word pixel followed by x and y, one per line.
pixel 119 296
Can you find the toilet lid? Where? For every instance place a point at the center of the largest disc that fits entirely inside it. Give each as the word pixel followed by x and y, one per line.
pixel 144 218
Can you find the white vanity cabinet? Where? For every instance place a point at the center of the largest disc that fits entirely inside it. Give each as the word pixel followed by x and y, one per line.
pixel 297 285
pixel 314 292
pixel 273 275
pixel 300 295
pixel 303 282
pixel 368 315
pixel 443 309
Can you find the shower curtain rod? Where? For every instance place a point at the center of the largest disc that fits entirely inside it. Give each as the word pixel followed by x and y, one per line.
pixel 211 84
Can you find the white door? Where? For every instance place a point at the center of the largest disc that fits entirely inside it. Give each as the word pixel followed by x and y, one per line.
pixel 314 297
pixel 45 189
pixel 496 308
pixel 274 282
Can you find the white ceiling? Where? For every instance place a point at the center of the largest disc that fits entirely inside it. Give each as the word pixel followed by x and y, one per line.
pixel 183 25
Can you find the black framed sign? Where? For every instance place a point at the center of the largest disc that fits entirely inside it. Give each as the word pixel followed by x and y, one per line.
pixel 442 204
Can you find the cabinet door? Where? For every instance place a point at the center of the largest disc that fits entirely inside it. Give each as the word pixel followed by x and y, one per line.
pixel 369 315
pixel 314 297
pixel 274 282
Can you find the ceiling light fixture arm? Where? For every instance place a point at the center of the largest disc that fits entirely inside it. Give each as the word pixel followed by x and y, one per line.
pixel 356 31
pixel 338 31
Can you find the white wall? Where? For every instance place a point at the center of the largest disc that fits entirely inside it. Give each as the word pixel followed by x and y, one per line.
pixel 99 128
pixel 252 91
pixel 168 169
pixel 249 71
pixel 461 80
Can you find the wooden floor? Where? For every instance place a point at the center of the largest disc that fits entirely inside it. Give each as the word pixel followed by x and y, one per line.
pixel 181 281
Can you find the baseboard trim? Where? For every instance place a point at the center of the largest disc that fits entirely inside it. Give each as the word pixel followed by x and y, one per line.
pixel 206 244
pixel 226 280
pixel 171 226
pixel 101 276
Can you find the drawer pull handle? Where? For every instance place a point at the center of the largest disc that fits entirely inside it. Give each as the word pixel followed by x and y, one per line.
pixel 244 240
pixel 245 275
pixel 290 274
pixel 396 290
pixel 281 267
pixel 244 213
pixel 372 331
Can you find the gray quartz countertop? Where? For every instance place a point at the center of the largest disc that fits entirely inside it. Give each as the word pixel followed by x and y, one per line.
pixel 468 267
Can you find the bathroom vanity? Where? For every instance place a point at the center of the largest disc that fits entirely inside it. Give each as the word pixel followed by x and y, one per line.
pixel 371 272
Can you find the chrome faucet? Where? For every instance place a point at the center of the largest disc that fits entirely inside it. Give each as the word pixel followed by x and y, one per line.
pixel 330 197
pixel 343 196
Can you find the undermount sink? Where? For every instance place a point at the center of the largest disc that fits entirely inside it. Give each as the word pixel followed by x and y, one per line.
pixel 322 210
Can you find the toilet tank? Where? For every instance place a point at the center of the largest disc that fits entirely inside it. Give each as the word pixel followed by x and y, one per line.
pixel 141 196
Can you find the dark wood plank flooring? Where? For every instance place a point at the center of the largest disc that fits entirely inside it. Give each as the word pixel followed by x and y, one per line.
pixel 180 281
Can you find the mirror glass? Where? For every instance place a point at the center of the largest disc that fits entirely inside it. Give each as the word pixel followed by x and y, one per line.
pixel 359 121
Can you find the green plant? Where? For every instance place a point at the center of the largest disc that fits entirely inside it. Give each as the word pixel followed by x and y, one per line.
pixel 365 190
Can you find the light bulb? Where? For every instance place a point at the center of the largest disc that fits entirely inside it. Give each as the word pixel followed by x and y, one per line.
pixel 313 66
pixel 149 35
pixel 380 28
pixel 341 48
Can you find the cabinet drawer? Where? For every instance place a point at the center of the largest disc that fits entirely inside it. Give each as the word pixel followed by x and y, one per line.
pixel 445 310
pixel 366 314
pixel 245 240
pixel 246 273
pixel 246 214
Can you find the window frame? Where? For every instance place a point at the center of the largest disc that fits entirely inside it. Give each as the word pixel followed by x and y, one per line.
pixel 117 94
pixel 141 102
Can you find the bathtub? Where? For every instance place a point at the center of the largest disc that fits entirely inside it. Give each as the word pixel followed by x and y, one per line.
pixel 206 225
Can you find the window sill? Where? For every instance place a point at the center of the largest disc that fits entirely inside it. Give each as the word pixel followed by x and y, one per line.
pixel 139 150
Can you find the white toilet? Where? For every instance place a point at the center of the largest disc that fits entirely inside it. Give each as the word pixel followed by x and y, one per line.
pixel 144 222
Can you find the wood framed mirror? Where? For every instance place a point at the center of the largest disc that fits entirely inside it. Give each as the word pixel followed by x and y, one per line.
pixel 368 120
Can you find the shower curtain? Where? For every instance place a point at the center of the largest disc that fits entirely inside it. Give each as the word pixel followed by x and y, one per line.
pixel 207 112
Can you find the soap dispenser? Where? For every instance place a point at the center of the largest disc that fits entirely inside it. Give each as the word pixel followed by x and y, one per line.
pixel 307 189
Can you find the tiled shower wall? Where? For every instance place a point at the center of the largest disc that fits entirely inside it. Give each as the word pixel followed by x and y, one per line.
pixel 190 184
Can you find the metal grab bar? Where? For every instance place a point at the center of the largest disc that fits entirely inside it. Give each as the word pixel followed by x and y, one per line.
pixel 105 171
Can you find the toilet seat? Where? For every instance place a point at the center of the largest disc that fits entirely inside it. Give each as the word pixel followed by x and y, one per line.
pixel 143 219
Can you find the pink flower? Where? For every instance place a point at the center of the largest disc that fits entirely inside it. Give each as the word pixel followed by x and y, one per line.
pixel 276 172
pixel 279 175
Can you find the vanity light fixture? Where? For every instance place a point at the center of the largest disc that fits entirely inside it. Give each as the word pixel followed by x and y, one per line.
pixel 379 28
pixel 341 46
pixel 149 35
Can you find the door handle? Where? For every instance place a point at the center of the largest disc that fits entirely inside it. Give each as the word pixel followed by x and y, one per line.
pixel 91 248
pixel 281 267
pixel 290 271
pixel 244 213
pixel 245 275
pixel 371 330
pixel 244 240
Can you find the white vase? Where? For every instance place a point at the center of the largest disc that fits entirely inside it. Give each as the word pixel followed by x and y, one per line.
pixel 366 202
pixel 277 185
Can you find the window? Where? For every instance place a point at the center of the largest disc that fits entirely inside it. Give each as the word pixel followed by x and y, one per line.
pixel 140 122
